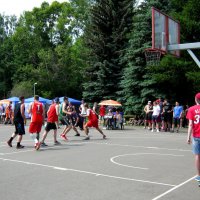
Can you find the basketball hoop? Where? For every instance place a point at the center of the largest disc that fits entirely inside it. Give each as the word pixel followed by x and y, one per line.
pixel 152 57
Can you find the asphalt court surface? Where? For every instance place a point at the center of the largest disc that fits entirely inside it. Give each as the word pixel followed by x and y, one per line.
pixel 130 164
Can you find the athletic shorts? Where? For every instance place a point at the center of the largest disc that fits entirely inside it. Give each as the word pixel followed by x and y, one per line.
pixel 65 121
pixel 155 118
pixel 35 127
pixel 50 126
pixel 176 121
pixel 149 116
pixel 146 116
pixel 196 145
pixel 19 128
pixel 167 117
pixel 92 124
pixel 73 122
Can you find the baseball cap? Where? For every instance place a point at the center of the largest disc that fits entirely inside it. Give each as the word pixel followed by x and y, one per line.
pixel 197 96
pixel 57 100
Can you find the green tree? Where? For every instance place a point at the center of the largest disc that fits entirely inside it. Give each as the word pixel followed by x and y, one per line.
pixel 7 67
pixel 54 57
pixel 106 38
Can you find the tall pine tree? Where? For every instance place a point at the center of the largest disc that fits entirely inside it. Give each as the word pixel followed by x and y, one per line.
pixel 106 38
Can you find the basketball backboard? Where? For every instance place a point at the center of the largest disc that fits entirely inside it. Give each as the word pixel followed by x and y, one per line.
pixel 165 31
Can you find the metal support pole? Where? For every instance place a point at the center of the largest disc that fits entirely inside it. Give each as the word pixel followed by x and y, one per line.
pixel 34 89
pixel 196 60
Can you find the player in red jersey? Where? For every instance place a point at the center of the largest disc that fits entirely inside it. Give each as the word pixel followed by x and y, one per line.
pixel 36 110
pixel 193 116
pixel 52 118
pixel 92 122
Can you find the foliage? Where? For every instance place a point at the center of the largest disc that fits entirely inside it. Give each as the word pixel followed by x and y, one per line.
pixel 95 49
pixel 106 37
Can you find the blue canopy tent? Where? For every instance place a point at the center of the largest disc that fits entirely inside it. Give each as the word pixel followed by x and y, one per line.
pixel 41 99
pixel 14 100
pixel 73 101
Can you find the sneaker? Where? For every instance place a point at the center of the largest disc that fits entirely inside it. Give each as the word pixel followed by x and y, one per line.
pixel 87 138
pixel 77 134
pixel 57 143
pixel 43 144
pixel 157 130
pixel 104 137
pixel 177 131
pixel 19 147
pixel 37 146
pixel 63 137
pixel 9 143
pixel 197 178
pixel 152 130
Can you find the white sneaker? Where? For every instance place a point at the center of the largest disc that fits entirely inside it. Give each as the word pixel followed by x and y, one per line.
pixel 152 130
pixel 158 130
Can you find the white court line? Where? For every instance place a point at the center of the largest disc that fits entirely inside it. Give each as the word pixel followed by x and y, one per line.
pixel 135 154
pixel 127 145
pixel 174 188
pixel 87 172
pixel 151 137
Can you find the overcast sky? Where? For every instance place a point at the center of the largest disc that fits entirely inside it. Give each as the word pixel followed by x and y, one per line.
pixel 16 7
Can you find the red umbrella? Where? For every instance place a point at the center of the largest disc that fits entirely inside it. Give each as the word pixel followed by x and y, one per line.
pixel 110 103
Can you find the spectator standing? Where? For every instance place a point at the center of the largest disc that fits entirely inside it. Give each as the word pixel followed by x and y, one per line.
pixel 155 116
pixel 177 113
pixel 1 113
pixel 148 109
pixel 102 112
pixel 119 120
pixel 9 114
pixel 167 115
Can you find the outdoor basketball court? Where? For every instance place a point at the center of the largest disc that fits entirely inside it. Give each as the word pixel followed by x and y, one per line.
pixel 131 164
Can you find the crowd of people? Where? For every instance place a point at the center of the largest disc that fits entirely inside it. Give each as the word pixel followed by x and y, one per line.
pixel 163 116
pixel 111 117
pixel 159 115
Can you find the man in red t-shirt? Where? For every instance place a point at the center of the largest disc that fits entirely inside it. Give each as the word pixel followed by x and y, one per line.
pixel 36 110
pixel 102 113
pixel 193 116
pixel 52 118
pixel 92 122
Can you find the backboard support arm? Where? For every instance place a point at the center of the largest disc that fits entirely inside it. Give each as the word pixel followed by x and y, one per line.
pixel 196 60
pixel 188 47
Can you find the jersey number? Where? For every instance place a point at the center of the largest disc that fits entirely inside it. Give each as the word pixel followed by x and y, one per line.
pixel 197 119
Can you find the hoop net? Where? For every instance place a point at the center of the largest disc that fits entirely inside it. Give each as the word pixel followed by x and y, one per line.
pixel 152 57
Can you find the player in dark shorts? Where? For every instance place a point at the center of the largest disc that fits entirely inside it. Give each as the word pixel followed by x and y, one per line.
pixel 52 118
pixel 19 122
pixel 73 119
